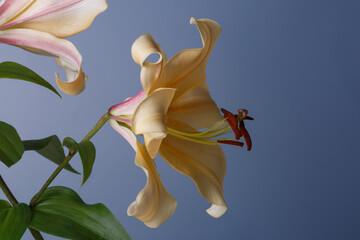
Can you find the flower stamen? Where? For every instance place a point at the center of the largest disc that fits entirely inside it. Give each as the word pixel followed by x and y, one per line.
pixel 246 135
pixel 232 121
pixel 243 113
pixel 236 122
pixel 236 143
pixel 209 136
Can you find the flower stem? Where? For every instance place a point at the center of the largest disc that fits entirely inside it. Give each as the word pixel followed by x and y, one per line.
pixel 96 128
pixel 36 234
pixel 92 132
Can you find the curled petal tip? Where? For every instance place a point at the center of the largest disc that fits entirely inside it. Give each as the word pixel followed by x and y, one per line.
pixel 72 88
pixel 131 209
pixel 192 20
pixel 216 211
pixel 154 204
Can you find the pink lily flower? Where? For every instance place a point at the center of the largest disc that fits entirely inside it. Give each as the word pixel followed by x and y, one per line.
pixel 38 26
pixel 171 114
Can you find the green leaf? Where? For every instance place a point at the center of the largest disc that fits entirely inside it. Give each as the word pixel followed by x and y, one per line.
pixel 49 148
pixel 87 154
pixel 4 205
pixel 13 220
pixel 61 212
pixel 17 71
pixel 11 147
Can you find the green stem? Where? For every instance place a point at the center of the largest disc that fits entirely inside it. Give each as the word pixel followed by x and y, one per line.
pixel 96 128
pixel 36 234
pixel 52 177
pixel 7 192
pixel 92 132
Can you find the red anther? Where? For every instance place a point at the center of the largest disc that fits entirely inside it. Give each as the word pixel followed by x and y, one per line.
pixel 236 116
pixel 246 135
pixel 232 121
pixel 248 118
pixel 231 142
pixel 225 112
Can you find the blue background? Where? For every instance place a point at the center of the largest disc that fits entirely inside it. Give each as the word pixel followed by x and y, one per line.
pixel 294 64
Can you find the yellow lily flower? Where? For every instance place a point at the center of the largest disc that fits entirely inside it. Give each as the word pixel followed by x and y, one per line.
pixel 170 112
pixel 38 26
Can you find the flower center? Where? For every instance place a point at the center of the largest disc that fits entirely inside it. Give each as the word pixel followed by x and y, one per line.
pixel 212 136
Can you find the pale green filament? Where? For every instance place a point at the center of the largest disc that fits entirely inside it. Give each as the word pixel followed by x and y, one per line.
pixel 206 137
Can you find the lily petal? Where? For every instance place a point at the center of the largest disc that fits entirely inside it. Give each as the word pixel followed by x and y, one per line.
pixel 128 106
pixel 181 126
pixel 186 70
pixel 65 53
pixel 125 132
pixel 216 211
pixel 150 118
pixel 204 164
pixel 142 48
pixel 196 108
pixel 10 8
pixel 61 18
pixel 154 204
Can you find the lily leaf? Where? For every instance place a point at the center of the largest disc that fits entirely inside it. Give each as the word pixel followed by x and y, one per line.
pixel 17 71
pixel 4 205
pixel 11 147
pixel 61 212
pixel 87 154
pixel 49 148
pixel 14 220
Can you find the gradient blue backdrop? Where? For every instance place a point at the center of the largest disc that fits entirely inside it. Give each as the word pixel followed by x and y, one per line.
pixel 293 63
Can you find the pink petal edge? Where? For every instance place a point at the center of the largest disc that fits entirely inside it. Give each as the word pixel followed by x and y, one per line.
pixel 125 133
pixel 128 106
pixel 40 14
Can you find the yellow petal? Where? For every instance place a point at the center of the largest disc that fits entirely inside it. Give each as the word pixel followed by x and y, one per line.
pixel 186 70
pixel 150 118
pixel 72 88
pixel 204 164
pixel 61 18
pixel 196 109
pixel 216 211
pixel 154 204
pixel 153 142
pixel 181 126
pixel 141 49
